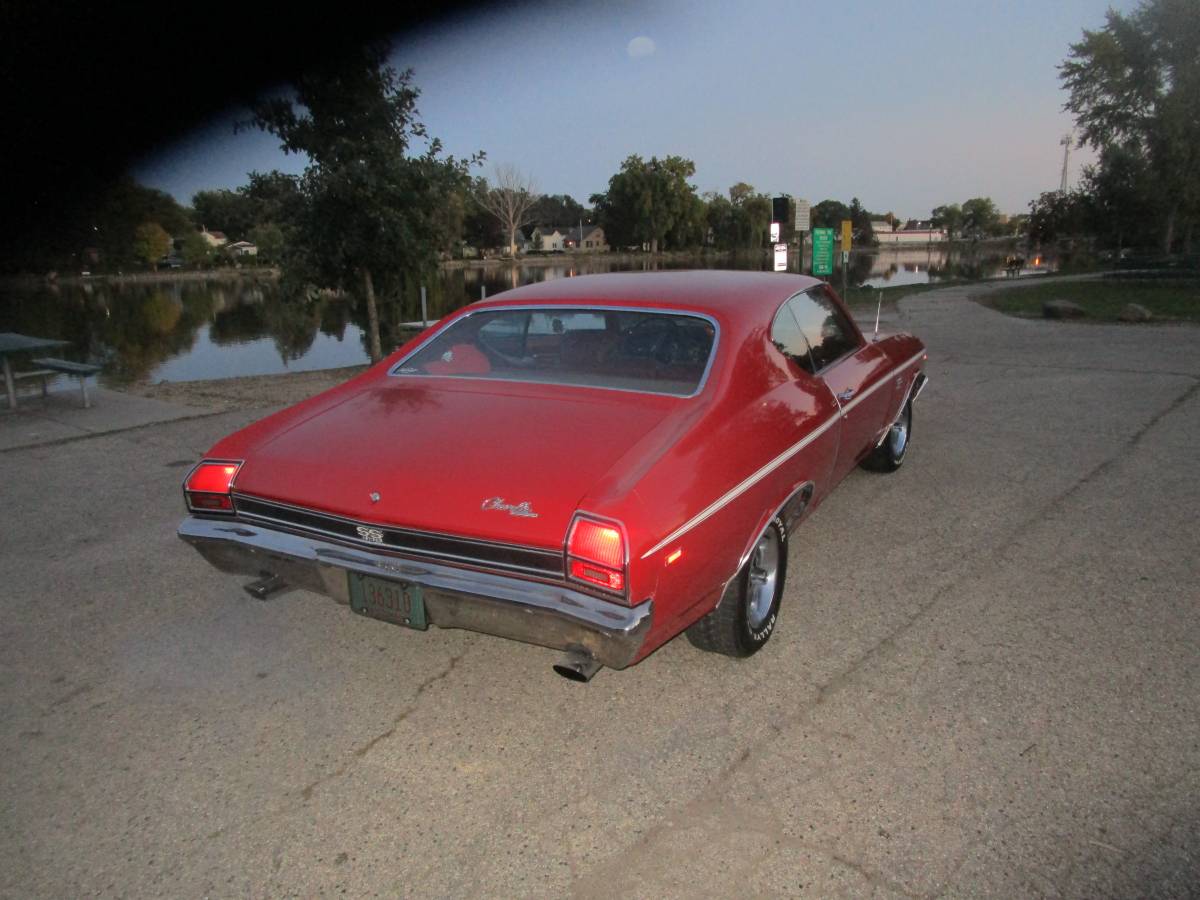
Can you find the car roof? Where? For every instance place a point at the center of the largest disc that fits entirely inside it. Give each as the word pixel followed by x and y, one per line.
pixel 725 294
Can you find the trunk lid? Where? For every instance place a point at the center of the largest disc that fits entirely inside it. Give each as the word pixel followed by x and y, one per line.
pixel 454 457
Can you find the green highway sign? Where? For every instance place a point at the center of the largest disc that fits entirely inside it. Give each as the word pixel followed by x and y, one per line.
pixel 822 239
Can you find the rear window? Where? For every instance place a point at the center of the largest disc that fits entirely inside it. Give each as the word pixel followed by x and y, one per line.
pixel 661 353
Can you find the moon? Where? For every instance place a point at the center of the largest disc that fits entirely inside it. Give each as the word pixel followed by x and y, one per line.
pixel 640 46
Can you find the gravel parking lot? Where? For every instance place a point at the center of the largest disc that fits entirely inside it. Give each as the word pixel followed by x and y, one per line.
pixel 986 679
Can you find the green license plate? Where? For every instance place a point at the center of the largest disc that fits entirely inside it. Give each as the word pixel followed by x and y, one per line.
pixel 393 601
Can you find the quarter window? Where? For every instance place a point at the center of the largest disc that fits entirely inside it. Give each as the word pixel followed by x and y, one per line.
pixel 829 334
pixel 787 337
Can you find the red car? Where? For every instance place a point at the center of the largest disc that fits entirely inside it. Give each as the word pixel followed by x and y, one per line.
pixel 592 464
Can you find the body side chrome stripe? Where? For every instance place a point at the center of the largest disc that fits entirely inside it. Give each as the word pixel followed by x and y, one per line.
pixel 741 488
pixel 735 492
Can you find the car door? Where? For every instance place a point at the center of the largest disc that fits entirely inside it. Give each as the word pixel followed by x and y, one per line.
pixel 855 371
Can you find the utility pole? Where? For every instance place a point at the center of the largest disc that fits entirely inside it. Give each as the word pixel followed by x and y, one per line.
pixel 1066 145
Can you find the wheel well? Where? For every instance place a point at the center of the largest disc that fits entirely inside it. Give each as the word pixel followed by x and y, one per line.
pixel 789 512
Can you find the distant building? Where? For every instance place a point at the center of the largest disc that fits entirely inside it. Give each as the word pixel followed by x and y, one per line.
pixel 588 239
pixel 548 239
pixel 915 231
pixel 241 248
pixel 214 238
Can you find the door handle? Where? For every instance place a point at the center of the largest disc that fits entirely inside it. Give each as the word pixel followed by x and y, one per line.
pixel 845 395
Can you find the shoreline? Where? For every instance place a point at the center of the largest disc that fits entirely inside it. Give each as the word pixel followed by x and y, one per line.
pixel 533 261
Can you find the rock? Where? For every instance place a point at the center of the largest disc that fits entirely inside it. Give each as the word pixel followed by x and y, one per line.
pixel 1062 309
pixel 1135 312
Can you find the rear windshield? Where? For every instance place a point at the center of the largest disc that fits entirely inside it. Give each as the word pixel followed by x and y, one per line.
pixel 661 353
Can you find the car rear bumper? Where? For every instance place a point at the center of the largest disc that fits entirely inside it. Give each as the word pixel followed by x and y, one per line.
pixel 546 614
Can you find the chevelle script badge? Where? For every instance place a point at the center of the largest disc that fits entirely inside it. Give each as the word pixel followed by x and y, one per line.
pixel 524 509
pixel 374 535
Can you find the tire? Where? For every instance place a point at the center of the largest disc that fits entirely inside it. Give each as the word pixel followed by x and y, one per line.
pixel 746 616
pixel 889 455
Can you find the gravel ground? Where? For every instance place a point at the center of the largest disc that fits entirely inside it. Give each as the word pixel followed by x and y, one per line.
pixel 985 680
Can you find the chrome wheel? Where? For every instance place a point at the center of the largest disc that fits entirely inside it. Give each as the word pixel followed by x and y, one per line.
pixel 898 433
pixel 762 578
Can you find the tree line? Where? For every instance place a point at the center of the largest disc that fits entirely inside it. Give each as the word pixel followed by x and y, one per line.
pixel 1134 89
pixel 379 203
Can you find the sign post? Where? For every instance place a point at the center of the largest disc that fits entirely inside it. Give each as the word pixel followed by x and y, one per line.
pixel 822 251
pixel 803 223
pixel 781 257
pixel 847 237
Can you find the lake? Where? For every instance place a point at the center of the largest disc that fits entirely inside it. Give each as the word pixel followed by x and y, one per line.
pixel 176 330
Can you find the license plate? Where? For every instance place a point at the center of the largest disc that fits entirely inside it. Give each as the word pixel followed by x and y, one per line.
pixel 393 601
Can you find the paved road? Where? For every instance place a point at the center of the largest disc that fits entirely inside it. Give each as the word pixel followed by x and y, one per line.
pixel 985 680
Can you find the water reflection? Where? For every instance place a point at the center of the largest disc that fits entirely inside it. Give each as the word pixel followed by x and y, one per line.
pixel 189 330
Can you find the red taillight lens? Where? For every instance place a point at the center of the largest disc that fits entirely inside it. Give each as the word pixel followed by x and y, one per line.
pixel 597 542
pixel 596 554
pixel 207 488
pixel 606 578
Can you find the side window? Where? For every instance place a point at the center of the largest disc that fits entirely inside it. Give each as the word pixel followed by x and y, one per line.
pixel 828 333
pixel 786 335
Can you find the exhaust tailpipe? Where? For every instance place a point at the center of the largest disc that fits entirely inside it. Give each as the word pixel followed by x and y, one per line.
pixel 265 587
pixel 577 666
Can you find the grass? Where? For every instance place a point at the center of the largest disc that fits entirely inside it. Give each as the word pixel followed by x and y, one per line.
pixel 1168 300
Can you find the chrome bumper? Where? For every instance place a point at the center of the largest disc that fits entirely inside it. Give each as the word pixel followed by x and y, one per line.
pixel 546 614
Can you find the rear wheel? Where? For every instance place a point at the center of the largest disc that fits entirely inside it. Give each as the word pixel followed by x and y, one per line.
pixel 745 618
pixel 889 455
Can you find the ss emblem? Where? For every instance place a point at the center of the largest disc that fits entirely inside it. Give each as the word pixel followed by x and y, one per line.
pixel 374 535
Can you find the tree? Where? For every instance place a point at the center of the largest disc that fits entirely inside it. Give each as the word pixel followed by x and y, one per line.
pixel 1120 188
pixel 829 214
pixel 196 251
pixel 950 217
pixel 223 210
pixel 558 209
pixel 1056 215
pixel 740 192
pixel 369 215
pixel 1136 82
pixel 860 222
pixel 511 201
pixel 268 238
pixel 151 243
pixel 980 217
pixel 650 202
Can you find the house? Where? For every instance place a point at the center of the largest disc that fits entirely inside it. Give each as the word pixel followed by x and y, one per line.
pixel 587 239
pixel 214 238
pixel 241 248
pixel 882 227
pixel 548 239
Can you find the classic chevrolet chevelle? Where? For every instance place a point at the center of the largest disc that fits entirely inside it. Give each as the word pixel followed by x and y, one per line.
pixel 592 464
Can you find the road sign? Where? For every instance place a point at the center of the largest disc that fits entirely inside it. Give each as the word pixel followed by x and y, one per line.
pixel 781 257
pixel 846 235
pixel 803 215
pixel 822 251
pixel 774 232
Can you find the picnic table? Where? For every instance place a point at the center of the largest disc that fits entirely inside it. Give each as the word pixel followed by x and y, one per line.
pixel 11 343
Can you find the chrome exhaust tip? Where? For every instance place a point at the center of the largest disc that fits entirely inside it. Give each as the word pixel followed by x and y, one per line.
pixel 577 666
pixel 265 587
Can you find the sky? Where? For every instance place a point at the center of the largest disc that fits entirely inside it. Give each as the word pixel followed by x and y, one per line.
pixel 905 105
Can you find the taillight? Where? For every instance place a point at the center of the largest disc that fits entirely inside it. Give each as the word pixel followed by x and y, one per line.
pixel 596 554
pixel 207 488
